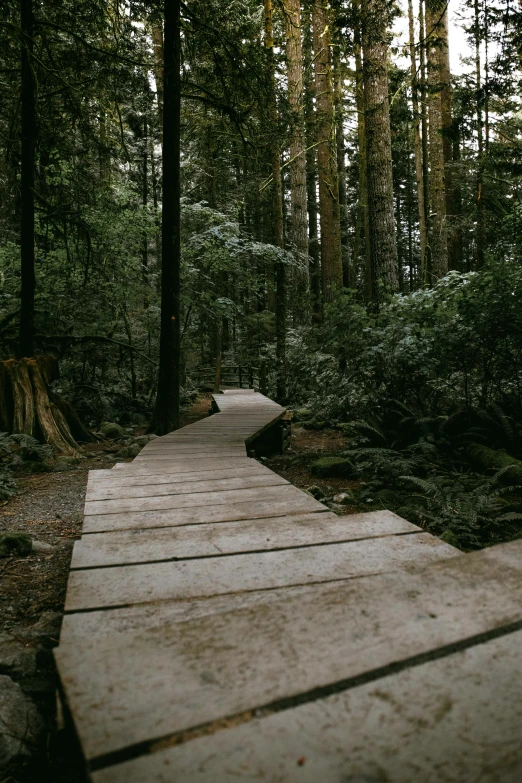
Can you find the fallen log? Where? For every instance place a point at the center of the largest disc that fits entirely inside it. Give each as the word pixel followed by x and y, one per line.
pixel 490 459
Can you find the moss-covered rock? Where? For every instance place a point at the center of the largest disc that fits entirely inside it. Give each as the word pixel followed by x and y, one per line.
pixel 14 544
pixel 129 451
pixel 315 492
pixel 315 424
pixel 142 440
pixel 302 414
pixel 489 459
pixel 66 463
pixel 113 431
pixel 332 467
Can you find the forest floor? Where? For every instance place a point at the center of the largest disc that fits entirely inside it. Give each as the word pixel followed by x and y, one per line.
pixel 48 507
pixel 306 446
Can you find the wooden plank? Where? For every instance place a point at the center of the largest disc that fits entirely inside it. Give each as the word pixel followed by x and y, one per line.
pixel 102 549
pixel 107 478
pixel 112 491
pixel 191 457
pixel 179 580
pixel 301 503
pixel 227 496
pixel 221 665
pixel 180 465
pixel 455 720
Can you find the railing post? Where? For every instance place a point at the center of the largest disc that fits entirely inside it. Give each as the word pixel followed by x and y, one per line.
pixel 217 381
pixel 262 378
pixel 240 374
pixel 250 377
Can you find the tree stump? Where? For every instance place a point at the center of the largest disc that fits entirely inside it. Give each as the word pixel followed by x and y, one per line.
pixel 28 406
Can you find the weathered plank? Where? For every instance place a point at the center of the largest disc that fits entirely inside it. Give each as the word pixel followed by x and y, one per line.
pixel 455 720
pixel 179 466
pixel 228 512
pixel 221 665
pixel 207 454
pixel 104 480
pixel 232 496
pixel 116 491
pixel 102 549
pixel 179 580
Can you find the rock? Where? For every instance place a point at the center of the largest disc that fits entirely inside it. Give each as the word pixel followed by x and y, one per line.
pixel 314 424
pixel 112 431
pixel 41 546
pixel 16 659
pixel 21 724
pixel 332 467
pixel 343 498
pixel 15 544
pixel 302 414
pixel 142 440
pixel 315 492
pixel 45 631
pixel 128 451
pixel 65 463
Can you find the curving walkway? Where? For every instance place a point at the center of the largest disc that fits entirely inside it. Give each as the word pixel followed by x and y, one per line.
pixel 222 625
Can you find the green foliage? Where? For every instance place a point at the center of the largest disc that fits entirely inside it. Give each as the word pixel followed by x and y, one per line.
pixel 21 453
pixel 7 483
pixel 15 544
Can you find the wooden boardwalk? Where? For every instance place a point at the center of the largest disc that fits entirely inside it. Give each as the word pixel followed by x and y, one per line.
pixel 222 625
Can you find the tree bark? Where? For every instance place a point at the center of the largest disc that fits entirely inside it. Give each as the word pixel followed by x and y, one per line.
pixel 277 208
pixel 28 404
pixel 417 141
pixel 331 258
pixel 424 126
pixel 481 232
pixel 298 195
pixel 311 165
pixel 341 159
pixel 165 417
pixel 438 228
pixel 452 188
pixel 28 283
pixel 363 218
pixel 383 243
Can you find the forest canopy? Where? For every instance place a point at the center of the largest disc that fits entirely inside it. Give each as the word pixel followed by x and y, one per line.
pixel 350 219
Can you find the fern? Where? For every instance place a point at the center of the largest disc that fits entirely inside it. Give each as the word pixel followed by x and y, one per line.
pixel 7 483
pixel 28 449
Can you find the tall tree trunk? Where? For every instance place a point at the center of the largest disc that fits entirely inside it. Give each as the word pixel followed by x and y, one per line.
pixel 331 258
pixel 298 195
pixel 417 142
pixel 166 412
pixel 424 125
pixel 311 164
pixel 481 217
pixel 452 188
pixel 26 345
pixel 438 228
pixel 145 196
pixel 383 242
pixel 341 160
pixel 277 209
pixel 363 216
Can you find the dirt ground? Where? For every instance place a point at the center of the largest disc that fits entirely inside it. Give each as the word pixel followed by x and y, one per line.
pixel 293 465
